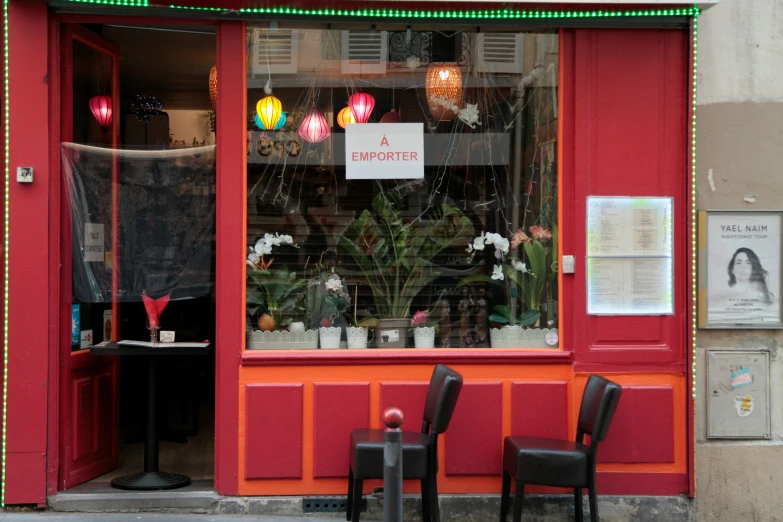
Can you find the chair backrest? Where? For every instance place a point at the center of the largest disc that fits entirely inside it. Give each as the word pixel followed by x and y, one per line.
pixel 442 395
pixel 599 403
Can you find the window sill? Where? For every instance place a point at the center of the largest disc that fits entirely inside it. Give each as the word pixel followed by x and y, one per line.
pixel 373 357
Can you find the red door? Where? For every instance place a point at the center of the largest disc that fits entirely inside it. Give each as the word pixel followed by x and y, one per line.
pixel 89 421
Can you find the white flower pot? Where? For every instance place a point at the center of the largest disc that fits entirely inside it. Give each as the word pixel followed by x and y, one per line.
pixel 296 326
pixel 282 340
pixel 424 337
pixel 330 337
pixel 357 337
pixel 522 337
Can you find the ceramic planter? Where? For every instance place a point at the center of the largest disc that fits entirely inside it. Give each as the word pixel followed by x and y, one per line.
pixel 522 337
pixel 391 333
pixel 282 340
pixel 357 337
pixel 424 337
pixel 330 337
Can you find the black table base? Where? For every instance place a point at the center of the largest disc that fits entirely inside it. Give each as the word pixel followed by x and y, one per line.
pixel 152 480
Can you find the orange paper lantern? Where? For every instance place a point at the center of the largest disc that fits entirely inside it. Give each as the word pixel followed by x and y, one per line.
pixel 444 90
pixel 391 117
pixel 345 117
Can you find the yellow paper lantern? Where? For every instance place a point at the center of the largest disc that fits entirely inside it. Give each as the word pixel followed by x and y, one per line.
pixel 345 117
pixel 444 90
pixel 213 87
pixel 269 110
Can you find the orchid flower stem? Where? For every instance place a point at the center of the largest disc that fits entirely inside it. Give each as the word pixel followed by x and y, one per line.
pixel 355 299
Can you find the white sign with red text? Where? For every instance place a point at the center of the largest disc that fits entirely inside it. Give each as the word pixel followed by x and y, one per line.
pixel 384 151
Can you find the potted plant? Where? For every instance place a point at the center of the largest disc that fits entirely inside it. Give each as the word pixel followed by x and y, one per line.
pixel 423 332
pixel 526 277
pixel 395 256
pixel 357 332
pixel 326 301
pixel 275 300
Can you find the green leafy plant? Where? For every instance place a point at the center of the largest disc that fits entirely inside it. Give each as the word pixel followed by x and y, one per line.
pixel 395 255
pixel 278 293
pixel 326 298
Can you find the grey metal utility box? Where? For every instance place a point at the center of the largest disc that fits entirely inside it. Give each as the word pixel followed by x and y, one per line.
pixel 738 394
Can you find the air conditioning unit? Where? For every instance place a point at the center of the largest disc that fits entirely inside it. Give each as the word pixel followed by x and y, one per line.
pixel 364 52
pixel 274 52
pixel 499 53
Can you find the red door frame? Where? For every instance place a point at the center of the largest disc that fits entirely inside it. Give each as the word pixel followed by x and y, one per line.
pixel 232 34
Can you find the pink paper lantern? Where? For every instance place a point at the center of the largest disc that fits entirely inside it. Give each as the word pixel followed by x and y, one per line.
pixel 361 105
pixel 314 128
pixel 101 108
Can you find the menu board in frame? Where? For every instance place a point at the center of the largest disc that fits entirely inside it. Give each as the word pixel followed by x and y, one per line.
pixel 740 269
pixel 629 256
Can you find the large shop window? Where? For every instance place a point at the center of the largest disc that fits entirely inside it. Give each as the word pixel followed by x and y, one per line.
pixel 402 188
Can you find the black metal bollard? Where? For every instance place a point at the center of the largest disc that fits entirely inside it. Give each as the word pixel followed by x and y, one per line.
pixel 392 466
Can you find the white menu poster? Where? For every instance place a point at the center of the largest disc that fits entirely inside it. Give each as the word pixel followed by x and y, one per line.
pixel 629 256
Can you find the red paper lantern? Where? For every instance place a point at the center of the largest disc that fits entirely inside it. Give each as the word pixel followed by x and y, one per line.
pixel 314 128
pixel 101 108
pixel 391 117
pixel 361 105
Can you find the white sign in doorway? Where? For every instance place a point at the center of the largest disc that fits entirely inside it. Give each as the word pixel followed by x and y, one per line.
pixel 384 151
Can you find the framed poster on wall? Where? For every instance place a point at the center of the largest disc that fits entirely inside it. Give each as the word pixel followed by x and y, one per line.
pixel 740 269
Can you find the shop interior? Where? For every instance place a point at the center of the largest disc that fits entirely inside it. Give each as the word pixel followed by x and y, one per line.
pixel 164 104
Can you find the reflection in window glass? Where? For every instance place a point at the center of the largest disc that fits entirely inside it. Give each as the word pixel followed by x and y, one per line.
pixel 448 251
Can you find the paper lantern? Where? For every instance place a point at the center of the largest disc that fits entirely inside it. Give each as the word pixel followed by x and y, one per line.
pixel 345 117
pixel 269 110
pixel 281 121
pixel 258 122
pixel 444 90
pixel 314 128
pixel 361 105
pixel 213 87
pixel 101 108
pixel 391 117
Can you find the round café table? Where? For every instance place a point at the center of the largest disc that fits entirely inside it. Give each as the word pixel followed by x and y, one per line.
pixel 151 478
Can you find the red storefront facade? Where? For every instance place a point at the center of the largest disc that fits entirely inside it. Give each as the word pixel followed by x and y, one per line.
pixel 624 129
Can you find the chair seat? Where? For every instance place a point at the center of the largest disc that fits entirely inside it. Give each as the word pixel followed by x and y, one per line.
pixel 547 462
pixel 367 454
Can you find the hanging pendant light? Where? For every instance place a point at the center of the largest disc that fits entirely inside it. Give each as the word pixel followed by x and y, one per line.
pixel 314 128
pixel 391 117
pixel 213 87
pixel 269 110
pixel 345 117
pixel 444 90
pixel 281 121
pixel 258 122
pixel 361 105
pixel 101 108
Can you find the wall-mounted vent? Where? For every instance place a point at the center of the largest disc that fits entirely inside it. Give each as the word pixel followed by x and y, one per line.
pixel 499 53
pixel 274 52
pixel 364 52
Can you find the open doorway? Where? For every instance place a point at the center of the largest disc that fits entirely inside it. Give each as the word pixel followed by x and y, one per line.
pixel 138 178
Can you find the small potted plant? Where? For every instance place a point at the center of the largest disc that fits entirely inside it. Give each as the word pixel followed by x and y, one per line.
pixel 275 300
pixel 326 301
pixel 358 331
pixel 423 333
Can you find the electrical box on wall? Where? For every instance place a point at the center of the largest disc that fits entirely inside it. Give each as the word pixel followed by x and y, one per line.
pixel 738 394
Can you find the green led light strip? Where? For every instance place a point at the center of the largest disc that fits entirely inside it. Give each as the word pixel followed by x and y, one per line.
pixel 693 199
pixel 402 13
pixel 7 132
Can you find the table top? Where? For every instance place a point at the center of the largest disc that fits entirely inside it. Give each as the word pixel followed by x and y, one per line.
pixel 159 349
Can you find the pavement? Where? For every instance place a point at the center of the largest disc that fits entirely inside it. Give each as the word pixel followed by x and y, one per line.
pixel 49 516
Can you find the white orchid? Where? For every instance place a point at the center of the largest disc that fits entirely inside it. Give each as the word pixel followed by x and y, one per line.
pixel 263 248
pixel 491 238
pixel 469 249
pixel 502 245
pixel 288 240
pixel 334 284
pixel 518 265
pixel 478 243
pixel 271 240
pixel 497 273
pixel 253 259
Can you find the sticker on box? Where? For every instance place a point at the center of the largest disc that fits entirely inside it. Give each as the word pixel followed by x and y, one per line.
pixel 741 378
pixel 86 338
pixel 743 404
pixel 166 336
pixel 390 336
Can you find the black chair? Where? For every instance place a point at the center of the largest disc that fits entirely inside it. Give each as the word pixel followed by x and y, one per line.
pixel 419 450
pixel 562 463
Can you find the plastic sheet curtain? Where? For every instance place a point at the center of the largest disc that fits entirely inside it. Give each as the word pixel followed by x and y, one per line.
pixel 165 219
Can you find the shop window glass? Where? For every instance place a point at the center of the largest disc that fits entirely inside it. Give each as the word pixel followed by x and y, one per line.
pixel 455 236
